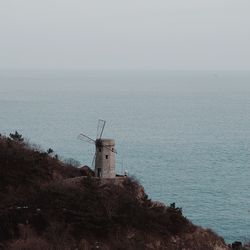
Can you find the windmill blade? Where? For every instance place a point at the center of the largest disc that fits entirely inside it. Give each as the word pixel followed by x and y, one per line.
pixel 93 161
pixel 100 128
pixel 86 138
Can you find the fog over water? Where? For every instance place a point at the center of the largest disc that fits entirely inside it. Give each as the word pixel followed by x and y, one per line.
pixel 124 81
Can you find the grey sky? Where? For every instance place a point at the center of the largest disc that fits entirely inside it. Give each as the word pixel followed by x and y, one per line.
pixel 128 34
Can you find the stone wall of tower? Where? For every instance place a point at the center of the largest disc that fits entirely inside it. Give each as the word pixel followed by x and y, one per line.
pixel 105 159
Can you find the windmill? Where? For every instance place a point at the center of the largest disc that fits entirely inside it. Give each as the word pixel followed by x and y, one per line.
pixel 104 158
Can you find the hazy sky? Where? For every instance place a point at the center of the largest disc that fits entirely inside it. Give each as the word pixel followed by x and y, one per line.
pixel 128 34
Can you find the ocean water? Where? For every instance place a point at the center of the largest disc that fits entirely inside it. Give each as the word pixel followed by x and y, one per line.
pixel 184 135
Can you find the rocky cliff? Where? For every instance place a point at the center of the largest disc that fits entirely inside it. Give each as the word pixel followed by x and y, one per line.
pixel 47 204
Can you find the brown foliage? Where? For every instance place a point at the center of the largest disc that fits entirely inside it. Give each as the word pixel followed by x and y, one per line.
pixel 61 216
pixel 29 244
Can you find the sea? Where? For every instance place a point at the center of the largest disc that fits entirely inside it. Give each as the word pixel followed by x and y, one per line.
pixel 185 135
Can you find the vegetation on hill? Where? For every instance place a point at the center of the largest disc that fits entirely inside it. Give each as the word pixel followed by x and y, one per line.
pixel 38 210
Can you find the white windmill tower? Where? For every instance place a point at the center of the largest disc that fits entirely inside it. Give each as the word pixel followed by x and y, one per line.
pixel 105 152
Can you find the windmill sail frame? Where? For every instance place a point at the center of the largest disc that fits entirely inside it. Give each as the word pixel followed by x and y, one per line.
pixel 104 157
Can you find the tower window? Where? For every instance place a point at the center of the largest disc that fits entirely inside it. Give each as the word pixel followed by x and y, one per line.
pixel 100 149
pixel 107 156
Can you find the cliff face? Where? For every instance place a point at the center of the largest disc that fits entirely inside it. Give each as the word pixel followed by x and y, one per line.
pixel 46 205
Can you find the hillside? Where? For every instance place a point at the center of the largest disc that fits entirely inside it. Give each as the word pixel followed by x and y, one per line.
pixel 40 208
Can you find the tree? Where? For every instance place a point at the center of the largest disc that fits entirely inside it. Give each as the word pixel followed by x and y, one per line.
pixel 16 137
pixel 50 151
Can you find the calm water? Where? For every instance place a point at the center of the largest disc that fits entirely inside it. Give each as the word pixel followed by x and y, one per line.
pixel 184 135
